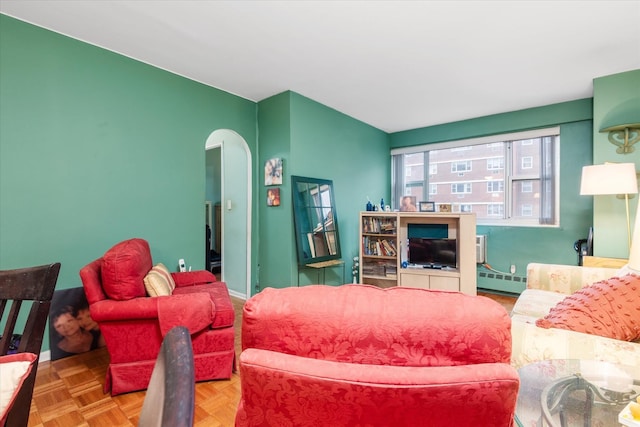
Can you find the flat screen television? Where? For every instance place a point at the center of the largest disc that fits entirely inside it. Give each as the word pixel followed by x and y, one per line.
pixel 432 252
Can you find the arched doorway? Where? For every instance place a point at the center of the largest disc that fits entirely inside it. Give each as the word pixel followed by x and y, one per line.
pixel 235 209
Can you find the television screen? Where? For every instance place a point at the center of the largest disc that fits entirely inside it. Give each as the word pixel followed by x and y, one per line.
pixel 438 252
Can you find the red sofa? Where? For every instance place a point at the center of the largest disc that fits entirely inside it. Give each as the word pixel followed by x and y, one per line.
pixel 134 324
pixel 358 355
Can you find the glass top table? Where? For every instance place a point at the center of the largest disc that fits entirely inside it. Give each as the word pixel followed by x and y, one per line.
pixel 560 393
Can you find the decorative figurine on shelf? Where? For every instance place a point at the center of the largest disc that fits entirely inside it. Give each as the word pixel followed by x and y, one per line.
pixel 369 205
pixel 355 269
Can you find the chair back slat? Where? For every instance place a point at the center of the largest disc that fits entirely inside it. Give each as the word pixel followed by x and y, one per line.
pixel 10 326
pixel 34 284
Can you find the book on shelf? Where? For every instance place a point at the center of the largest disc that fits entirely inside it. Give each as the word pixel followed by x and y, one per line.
pixel 377 225
pixel 378 247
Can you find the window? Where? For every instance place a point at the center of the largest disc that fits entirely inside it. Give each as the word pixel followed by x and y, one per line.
pixel 459 207
pixel 463 188
pixel 495 209
pixel 464 166
pixel 495 163
pixel 521 176
pixel 495 186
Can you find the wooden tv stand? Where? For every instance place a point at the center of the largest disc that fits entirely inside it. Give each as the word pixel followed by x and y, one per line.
pixel 384 246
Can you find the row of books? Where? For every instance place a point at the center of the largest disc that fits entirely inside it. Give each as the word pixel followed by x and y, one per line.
pixel 379 225
pixel 379 247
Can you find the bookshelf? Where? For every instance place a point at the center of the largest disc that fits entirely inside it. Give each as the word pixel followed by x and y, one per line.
pixel 384 240
pixel 379 249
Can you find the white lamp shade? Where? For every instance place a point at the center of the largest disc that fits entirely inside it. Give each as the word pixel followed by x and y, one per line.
pixel 610 178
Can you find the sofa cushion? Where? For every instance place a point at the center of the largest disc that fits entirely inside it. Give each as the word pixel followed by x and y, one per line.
pixel 536 303
pixel 124 267
pixel 158 281
pixel 609 308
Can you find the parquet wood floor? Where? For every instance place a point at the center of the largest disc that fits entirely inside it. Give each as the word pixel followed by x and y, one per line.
pixel 68 392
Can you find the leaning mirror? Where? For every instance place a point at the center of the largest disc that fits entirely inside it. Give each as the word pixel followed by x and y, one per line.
pixel 315 219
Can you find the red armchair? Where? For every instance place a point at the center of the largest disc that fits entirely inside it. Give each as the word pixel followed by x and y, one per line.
pixel 358 355
pixel 134 324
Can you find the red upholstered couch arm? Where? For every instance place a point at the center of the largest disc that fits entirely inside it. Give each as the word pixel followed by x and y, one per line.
pixel 113 310
pixel 370 325
pixel 190 278
pixel 321 392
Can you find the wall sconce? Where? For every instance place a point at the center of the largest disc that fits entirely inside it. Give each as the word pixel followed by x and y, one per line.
pixel 623 126
pixel 611 178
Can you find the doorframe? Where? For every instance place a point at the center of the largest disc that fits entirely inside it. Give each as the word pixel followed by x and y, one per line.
pixel 215 141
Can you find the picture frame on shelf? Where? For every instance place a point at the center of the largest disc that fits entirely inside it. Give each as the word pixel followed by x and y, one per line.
pixel 408 204
pixel 427 206
pixel 444 207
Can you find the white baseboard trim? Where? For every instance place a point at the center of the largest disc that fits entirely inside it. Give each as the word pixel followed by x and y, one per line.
pixel 45 356
pixel 237 294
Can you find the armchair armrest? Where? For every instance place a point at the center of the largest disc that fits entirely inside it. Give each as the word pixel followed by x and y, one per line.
pixel 565 279
pixel 190 278
pixel 133 309
pixel 196 311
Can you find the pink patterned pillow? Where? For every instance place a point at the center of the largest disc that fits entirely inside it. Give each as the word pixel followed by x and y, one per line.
pixel 609 308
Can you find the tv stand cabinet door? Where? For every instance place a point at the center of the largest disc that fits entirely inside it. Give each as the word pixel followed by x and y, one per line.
pixel 430 281
pixel 413 280
pixel 444 283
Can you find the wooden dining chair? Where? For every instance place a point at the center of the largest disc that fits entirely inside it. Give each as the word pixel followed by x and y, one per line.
pixel 170 398
pixel 33 285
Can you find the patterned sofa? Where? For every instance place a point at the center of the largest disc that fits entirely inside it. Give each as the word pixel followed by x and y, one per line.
pixel 359 355
pixel 548 284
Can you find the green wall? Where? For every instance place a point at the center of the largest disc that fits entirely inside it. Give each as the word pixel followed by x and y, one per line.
pixel 96 148
pixel 611 95
pixel 276 243
pixel 521 245
pixel 318 142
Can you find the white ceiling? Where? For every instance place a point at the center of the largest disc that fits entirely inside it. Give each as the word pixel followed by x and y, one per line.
pixel 395 65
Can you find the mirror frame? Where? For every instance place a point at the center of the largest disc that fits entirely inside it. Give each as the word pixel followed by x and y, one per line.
pixel 307 207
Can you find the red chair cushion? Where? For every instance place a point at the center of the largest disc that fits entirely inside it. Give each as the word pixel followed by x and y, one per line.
pixel 124 267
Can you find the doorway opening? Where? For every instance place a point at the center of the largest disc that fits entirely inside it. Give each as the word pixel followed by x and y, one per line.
pixel 228 210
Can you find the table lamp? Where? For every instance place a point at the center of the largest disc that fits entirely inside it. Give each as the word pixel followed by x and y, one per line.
pixel 611 178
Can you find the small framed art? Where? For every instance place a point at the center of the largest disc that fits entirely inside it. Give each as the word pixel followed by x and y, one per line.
pixel 273 172
pixel 444 207
pixel 408 204
pixel 273 197
pixel 427 206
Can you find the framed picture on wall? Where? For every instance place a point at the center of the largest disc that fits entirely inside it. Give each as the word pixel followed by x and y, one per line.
pixel 273 172
pixel 427 206
pixel 273 197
